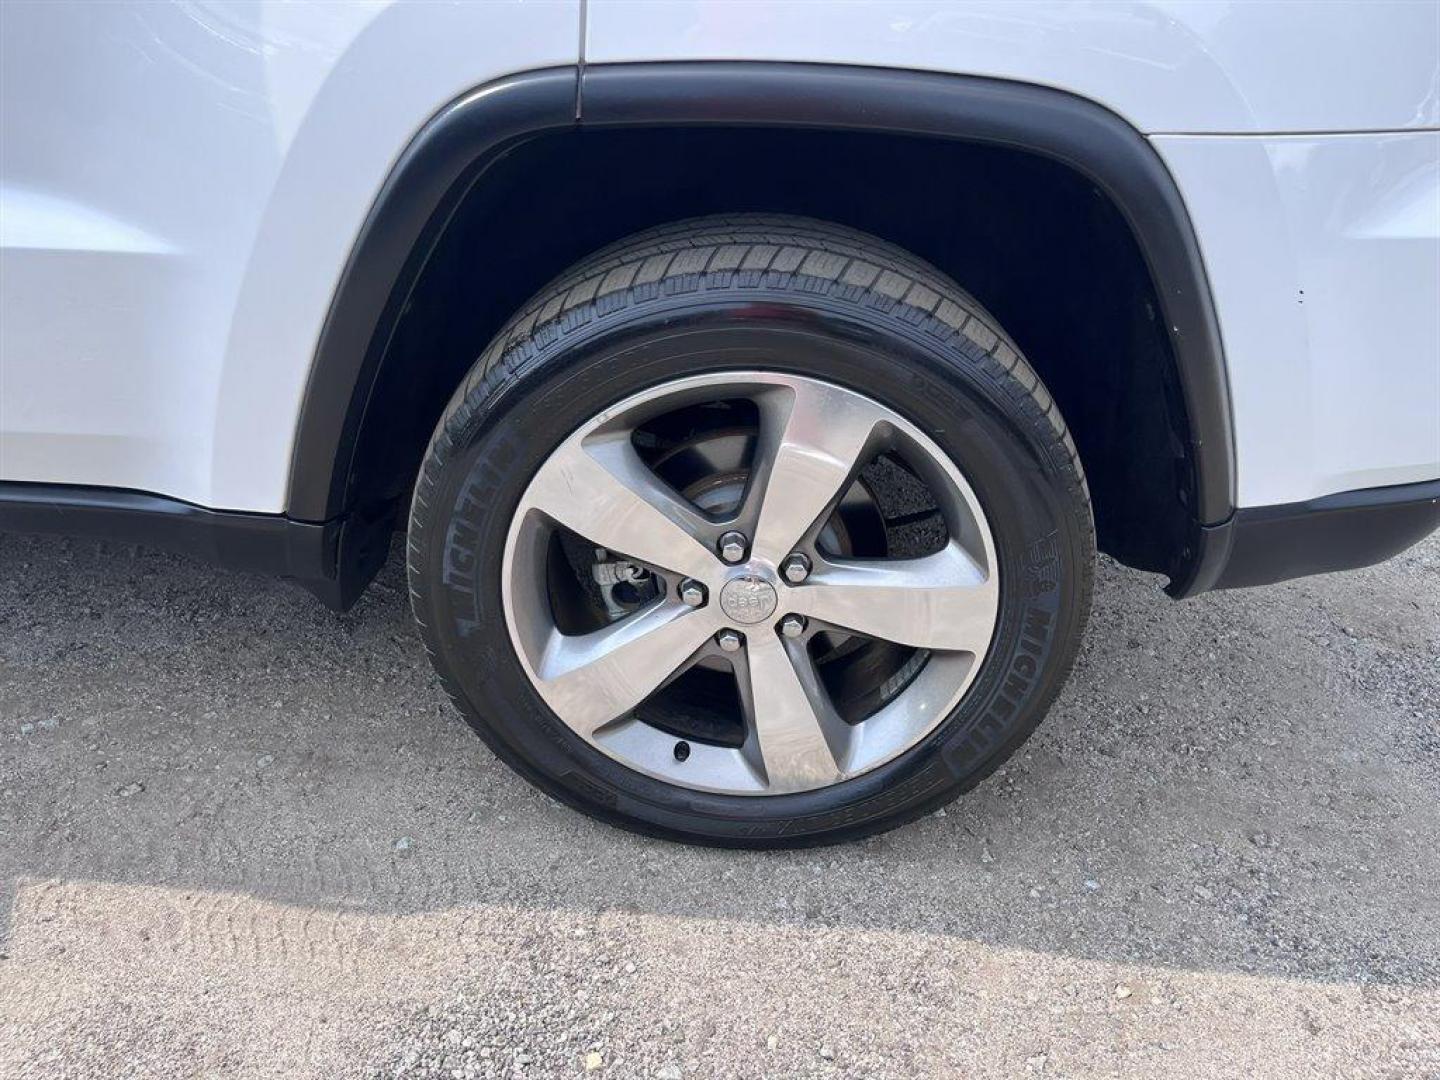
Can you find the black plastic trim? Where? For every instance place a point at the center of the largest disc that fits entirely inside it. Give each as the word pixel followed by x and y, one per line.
pixel 1264 544
pixel 334 560
pixel 448 155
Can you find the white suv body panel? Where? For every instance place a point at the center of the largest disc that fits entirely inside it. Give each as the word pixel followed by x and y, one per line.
pixel 180 189
pixel 1198 66
pixel 1324 260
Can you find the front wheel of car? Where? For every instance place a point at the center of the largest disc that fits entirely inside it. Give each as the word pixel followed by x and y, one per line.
pixel 752 531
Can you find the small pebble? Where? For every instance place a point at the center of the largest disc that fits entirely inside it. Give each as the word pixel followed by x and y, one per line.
pixel 1123 991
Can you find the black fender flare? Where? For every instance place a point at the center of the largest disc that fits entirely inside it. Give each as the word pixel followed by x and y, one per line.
pixel 452 151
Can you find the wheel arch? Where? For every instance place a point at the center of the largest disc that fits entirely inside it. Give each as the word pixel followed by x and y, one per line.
pixel 453 152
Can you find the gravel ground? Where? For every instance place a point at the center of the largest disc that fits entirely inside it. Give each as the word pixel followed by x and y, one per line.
pixel 242 836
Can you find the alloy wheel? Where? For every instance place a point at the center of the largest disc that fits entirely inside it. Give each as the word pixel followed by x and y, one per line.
pixel 750 583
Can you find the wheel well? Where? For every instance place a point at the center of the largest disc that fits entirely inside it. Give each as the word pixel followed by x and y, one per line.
pixel 1035 241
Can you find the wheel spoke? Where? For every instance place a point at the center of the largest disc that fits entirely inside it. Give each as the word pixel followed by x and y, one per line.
pixel 592 679
pixel 943 601
pixel 809 453
pixel 796 738
pixel 606 494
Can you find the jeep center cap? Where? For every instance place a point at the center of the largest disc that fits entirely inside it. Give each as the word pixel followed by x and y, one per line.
pixel 748 599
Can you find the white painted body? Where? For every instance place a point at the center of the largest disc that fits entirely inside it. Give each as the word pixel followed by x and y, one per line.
pixel 180 187
pixel 1324 258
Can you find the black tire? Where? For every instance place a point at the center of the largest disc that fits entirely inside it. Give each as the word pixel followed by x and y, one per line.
pixel 809 298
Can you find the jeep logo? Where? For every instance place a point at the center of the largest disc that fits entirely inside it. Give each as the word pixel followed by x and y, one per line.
pixel 748 599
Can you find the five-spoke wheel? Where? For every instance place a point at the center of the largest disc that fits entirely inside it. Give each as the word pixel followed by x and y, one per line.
pixel 753 587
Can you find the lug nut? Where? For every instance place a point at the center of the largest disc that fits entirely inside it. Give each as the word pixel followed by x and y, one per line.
pixel 732 546
pixel 796 568
pixel 792 625
pixel 729 640
pixel 692 592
